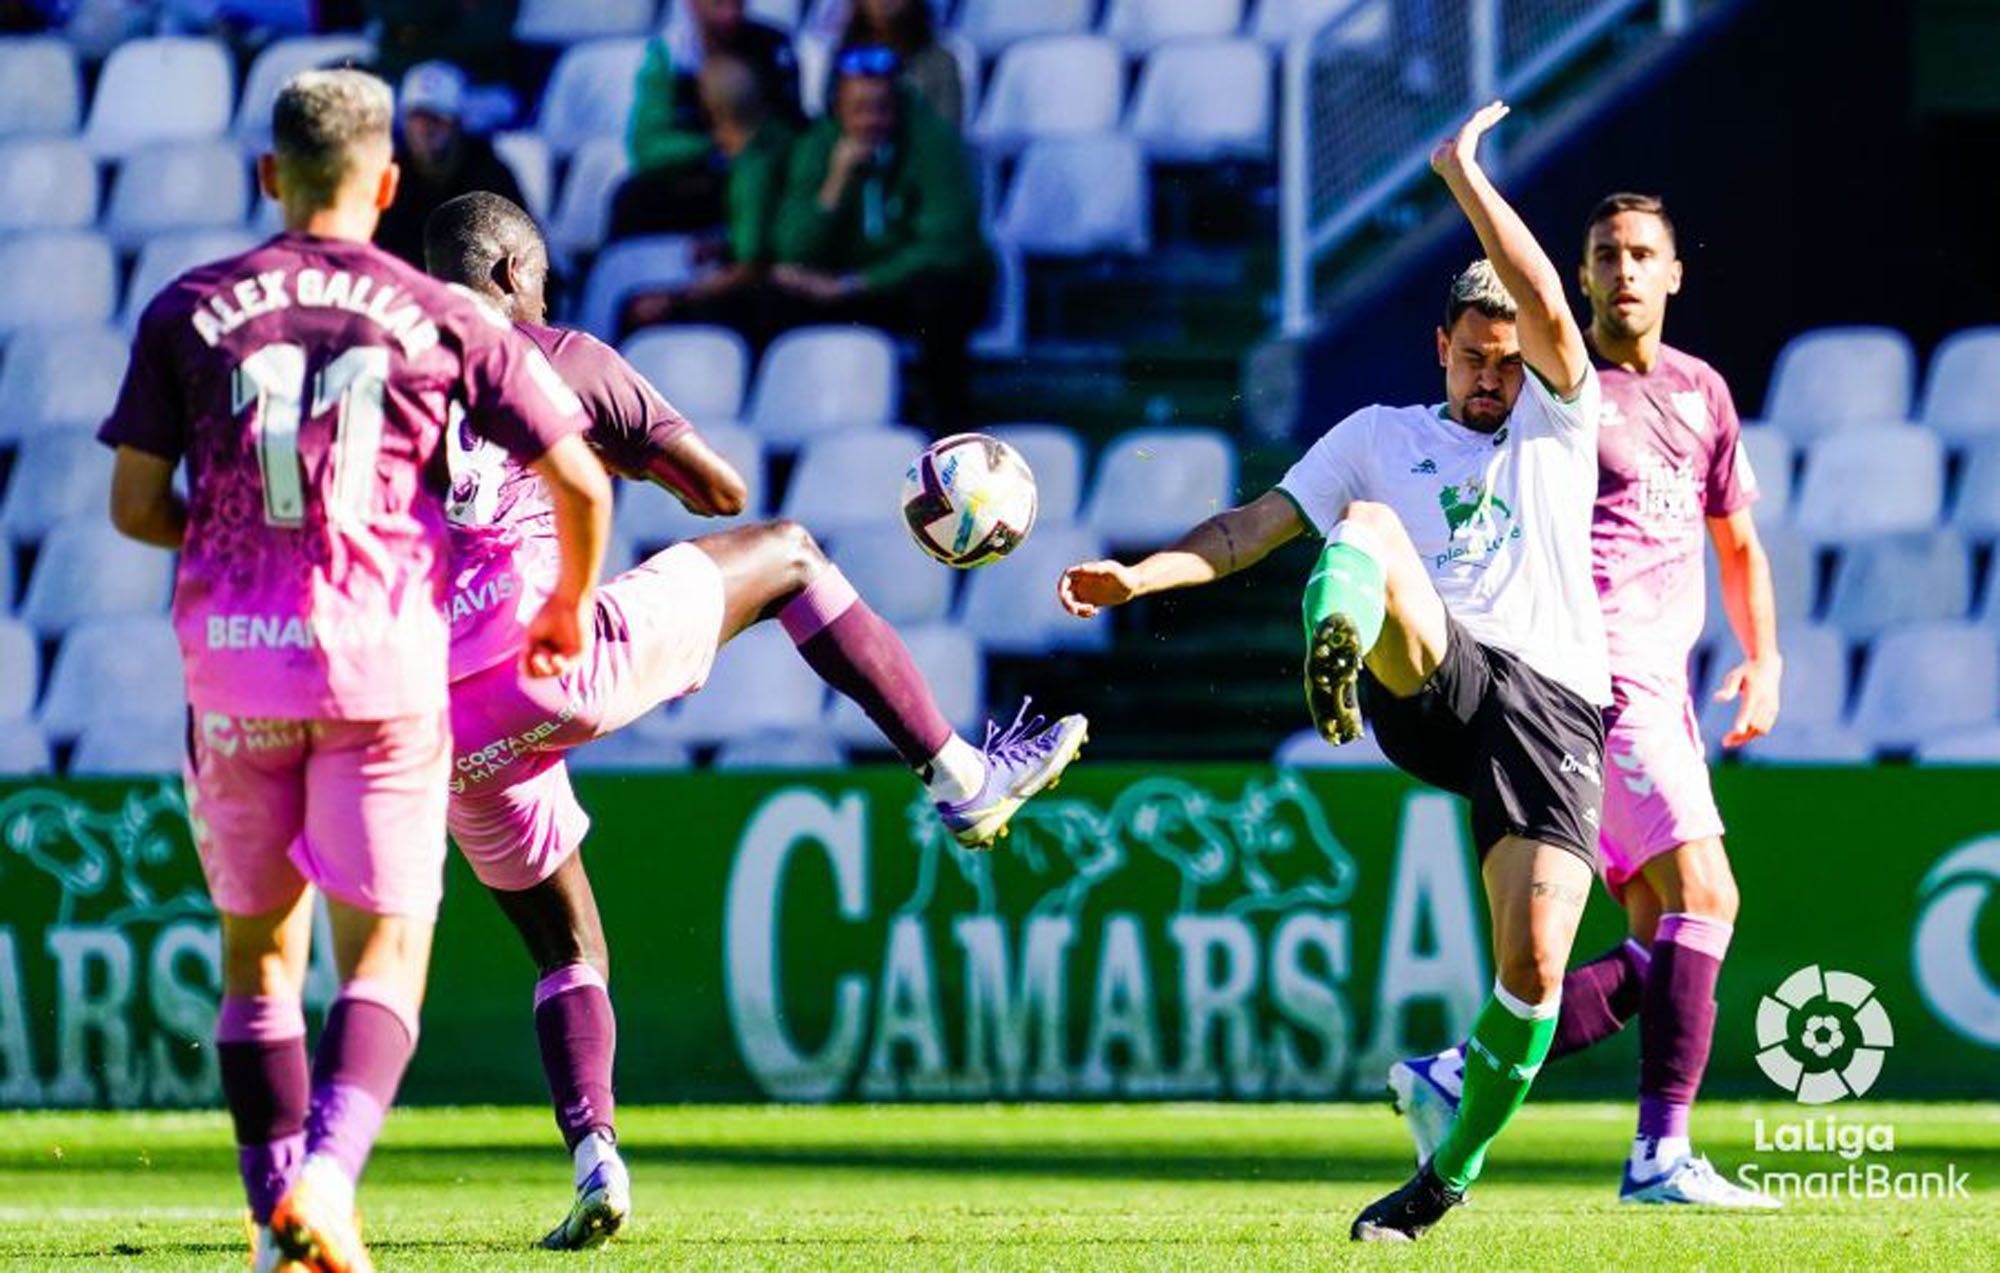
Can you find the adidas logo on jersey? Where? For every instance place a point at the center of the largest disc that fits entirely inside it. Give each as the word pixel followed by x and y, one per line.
pixel 1428 468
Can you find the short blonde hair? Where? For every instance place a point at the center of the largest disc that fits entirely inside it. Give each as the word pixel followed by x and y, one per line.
pixel 320 125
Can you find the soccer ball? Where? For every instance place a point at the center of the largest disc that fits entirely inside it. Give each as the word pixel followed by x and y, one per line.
pixel 969 500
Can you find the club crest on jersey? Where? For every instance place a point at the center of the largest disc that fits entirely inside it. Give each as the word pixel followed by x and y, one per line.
pixel 1609 415
pixel 1692 407
pixel 1475 519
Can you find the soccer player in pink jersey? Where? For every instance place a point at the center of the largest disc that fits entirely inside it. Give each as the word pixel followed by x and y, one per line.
pixel 1671 465
pixel 658 629
pixel 308 384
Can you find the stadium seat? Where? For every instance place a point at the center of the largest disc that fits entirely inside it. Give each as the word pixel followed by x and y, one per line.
pixel 629 750
pixel 851 481
pixel 1078 196
pixel 566 22
pixel 1057 86
pixel 46 183
pixel 57 476
pixel 993 25
pixel 1794 580
pixel 24 753
pixel 1773 458
pixel 582 216
pixel 1011 605
pixel 121 669
pixel 41 90
pixel 527 157
pixel 1307 750
pixel 141 746
pixel 87 570
pixel 1978 746
pixel 1975 510
pixel 1201 100
pixel 1927 680
pixel 1816 684
pixel 1962 395
pixel 1055 456
pixel 793 749
pixel 278 62
pixel 169 256
pixel 20 667
pixel 1152 484
pixel 759 685
pixel 59 378
pixel 1143 25
pixel 628 266
pixel 649 517
pixel 1838 377
pixel 782 14
pixel 168 88
pixel 81 259
pixel 1898 579
pixel 590 93
pixel 701 370
pixel 1989 606
pixel 1870 479
pixel 1278 21
pixel 180 186
pixel 893 576
pixel 1795 742
pixel 949 660
pixel 824 379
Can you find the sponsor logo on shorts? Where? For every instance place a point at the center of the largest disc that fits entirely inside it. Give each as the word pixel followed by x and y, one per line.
pixel 482 765
pixel 1586 766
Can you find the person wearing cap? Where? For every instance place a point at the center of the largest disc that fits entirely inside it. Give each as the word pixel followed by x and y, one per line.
pixel 440 160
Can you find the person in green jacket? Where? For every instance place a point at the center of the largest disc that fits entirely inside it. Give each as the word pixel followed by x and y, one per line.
pixel 880 225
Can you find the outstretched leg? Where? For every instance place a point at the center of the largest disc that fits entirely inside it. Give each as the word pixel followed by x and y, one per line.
pixel 1369 603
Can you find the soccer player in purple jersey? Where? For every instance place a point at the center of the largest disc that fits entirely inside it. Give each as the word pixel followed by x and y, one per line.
pixel 658 629
pixel 307 383
pixel 1670 464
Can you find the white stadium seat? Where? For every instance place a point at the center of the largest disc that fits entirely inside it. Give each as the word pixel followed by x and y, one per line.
pixel 1152 484
pixel 1058 86
pixel 24 753
pixel 1962 395
pixel 113 669
pixel 1078 196
pixel 46 183
pixel 87 570
pixel 794 749
pixel 850 481
pixel 139 746
pixel 1277 21
pixel 527 157
pixel 782 14
pixel 759 685
pixel 20 667
pixel 582 216
pixel 628 267
pixel 60 378
pixel 1816 684
pixel 277 63
pixel 1926 680
pixel 590 92
pixel 1795 742
pixel 703 371
pixel 1870 479
pixel 1773 457
pixel 169 88
pixel 1794 580
pixel 1203 100
pixel 82 260
pixel 1977 746
pixel 566 21
pixel 1975 511
pixel 951 666
pixel 627 751
pixel 180 186
pixel 169 256
pixel 1011 605
pixel 1838 377
pixel 892 574
pixel 992 25
pixel 818 380
pixel 1989 608
pixel 649 517
pixel 1142 25
pixel 1055 456
pixel 57 476
pixel 41 91
pixel 1307 750
pixel 1899 579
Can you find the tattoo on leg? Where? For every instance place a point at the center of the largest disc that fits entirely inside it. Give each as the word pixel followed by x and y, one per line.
pixel 1568 895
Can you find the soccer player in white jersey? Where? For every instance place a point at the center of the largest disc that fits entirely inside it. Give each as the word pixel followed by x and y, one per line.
pixel 1454 606
pixel 1672 466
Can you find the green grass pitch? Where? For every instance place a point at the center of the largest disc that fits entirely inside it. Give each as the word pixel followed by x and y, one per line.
pixel 1152 1187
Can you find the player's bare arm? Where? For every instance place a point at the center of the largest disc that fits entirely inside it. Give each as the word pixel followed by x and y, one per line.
pixel 706 484
pixel 1753 615
pixel 1551 341
pixel 143 503
pixel 1222 545
pixel 581 493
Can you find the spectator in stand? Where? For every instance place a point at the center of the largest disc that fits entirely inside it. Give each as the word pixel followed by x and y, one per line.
pixel 439 158
pixel 679 174
pixel 880 225
pixel 756 146
pixel 910 28
pixel 475 33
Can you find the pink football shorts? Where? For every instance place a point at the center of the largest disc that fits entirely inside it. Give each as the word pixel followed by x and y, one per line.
pixel 1656 790
pixel 355 808
pixel 513 814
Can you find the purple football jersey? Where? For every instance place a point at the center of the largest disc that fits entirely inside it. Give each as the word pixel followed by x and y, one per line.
pixel 308 383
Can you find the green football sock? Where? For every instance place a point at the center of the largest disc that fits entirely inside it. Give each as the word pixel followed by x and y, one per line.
pixel 1507 1048
pixel 1347 581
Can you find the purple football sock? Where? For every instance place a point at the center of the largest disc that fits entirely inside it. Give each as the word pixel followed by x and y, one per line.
pixel 855 652
pixel 370 1035
pixel 260 1045
pixel 1600 997
pixel 578 1034
pixel 1677 1019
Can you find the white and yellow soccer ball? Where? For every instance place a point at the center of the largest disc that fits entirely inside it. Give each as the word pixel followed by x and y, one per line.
pixel 969 500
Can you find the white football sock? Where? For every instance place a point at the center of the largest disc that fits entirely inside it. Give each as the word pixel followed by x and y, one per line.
pixel 956 772
pixel 1654 1155
pixel 330 1181
pixel 593 1149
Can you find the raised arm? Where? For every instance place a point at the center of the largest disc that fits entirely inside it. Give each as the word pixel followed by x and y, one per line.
pixel 1551 342
pixel 1222 545
pixel 705 483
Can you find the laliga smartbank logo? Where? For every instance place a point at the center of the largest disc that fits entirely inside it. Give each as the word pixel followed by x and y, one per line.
pixel 1823 1036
